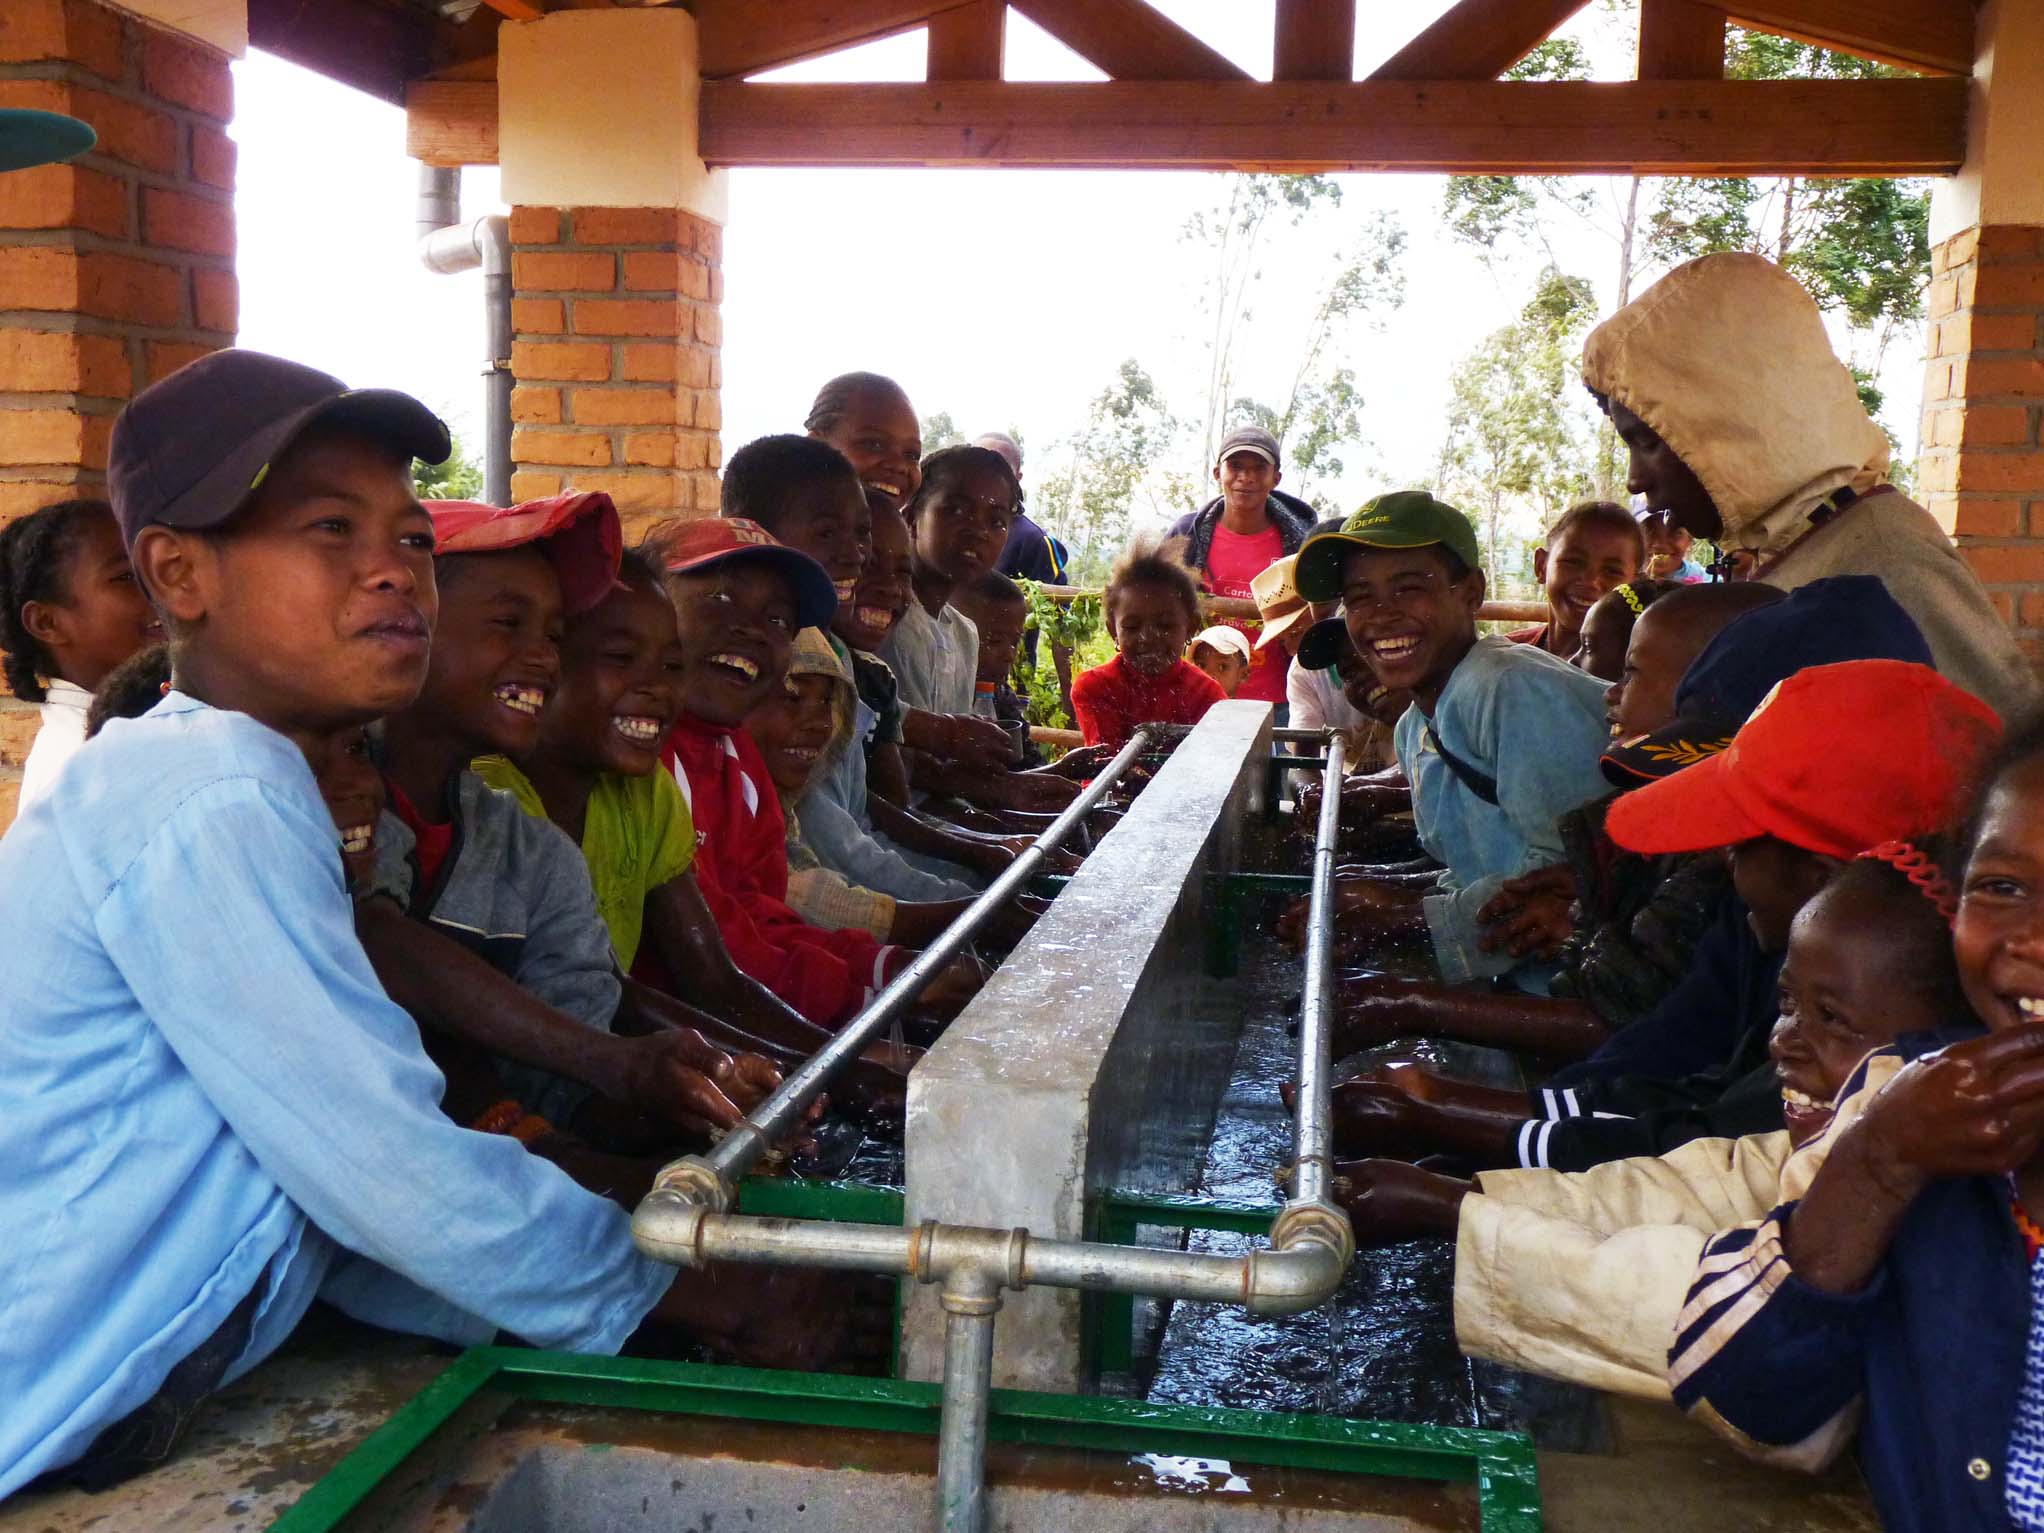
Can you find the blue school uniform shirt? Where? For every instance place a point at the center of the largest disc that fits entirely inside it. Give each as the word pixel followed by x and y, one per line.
pixel 204 1094
pixel 1537 726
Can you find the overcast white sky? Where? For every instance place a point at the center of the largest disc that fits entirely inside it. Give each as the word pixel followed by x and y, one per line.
pixel 1006 298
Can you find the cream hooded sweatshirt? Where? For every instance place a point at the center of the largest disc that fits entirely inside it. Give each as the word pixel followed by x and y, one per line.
pixel 1726 359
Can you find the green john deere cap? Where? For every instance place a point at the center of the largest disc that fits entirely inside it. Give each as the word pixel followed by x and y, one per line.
pixel 1401 519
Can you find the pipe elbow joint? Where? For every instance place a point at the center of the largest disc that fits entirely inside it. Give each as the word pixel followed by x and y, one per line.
pixel 1311 1248
pixel 668 1226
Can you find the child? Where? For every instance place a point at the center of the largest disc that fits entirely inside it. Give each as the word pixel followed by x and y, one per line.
pixel 1000 612
pixel 70 611
pixel 1223 653
pixel 869 419
pixel 1594 546
pixel 1607 629
pixel 805 493
pixel 1500 740
pixel 740 598
pixel 1668 551
pixel 957 522
pixel 1899 1293
pixel 797 732
pixel 193 999
pixel 1151 606
pixel 1839 759
pixel 1581 1275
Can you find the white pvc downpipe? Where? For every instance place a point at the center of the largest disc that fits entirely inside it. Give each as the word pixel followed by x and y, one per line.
pixel 1311 1244
pixel 447 246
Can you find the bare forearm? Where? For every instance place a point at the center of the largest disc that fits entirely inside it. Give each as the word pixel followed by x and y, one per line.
pixel 1842 1228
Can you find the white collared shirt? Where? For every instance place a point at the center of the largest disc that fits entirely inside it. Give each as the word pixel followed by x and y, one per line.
pixel 57 741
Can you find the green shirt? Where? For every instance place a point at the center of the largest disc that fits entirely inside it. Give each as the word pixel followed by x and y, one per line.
pixel 636 836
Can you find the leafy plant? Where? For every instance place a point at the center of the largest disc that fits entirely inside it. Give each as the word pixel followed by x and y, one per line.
pixel 459 478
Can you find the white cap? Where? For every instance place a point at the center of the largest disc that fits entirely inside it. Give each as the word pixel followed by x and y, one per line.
pixel 1222 637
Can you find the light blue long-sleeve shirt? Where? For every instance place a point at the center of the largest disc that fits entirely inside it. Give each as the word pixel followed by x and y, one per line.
pixel 1537 725
pixel 204 1093
pixel 839 829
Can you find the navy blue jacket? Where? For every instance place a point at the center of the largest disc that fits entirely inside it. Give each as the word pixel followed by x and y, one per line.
pixel 1933 1348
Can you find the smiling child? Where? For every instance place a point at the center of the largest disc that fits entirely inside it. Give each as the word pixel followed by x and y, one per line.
pixel 1151 605
pixel 1593 548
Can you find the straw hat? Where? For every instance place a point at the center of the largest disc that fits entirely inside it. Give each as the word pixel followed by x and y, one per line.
pixel 1278 600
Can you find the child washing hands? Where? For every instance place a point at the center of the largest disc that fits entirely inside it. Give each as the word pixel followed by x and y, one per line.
pixel 1151 605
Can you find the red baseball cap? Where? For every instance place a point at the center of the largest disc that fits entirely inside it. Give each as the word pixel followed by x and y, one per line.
pixel 578 532
pixel 707 541
pixel 1836 759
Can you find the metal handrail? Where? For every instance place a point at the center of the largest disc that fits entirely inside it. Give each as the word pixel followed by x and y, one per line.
pixel 683 1220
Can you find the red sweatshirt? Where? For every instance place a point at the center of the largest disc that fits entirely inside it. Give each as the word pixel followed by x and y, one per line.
pixel 1112 699
pixel 741 863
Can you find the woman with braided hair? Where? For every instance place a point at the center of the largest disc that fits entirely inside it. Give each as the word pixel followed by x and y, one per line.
pixel 70 611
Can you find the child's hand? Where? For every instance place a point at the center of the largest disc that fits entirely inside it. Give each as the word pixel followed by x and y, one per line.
pixel 1535 927
pixel 1389 1201
pixel 977 744
pixel 673 1074
pixel 955 985
pixel 1974 1109
pixel 1380 1007
pixel 1363 908
pixel 1559 879
pixel 747 1079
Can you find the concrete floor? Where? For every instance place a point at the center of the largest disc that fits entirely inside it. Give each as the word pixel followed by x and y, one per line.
pixel 262 1443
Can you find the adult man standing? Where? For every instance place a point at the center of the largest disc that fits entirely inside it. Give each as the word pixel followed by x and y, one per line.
pixel 1744 427
pixel 1247 528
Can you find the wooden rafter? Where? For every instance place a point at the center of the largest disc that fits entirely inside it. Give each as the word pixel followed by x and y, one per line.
pixel 1316 40
pixel 966 44
pixel 1129 39
pixel 1658 127
pixel 375 48
pixel 1930 36
pixel 744 37
pixel 451 122
pixel 1681 40
pixel 1477 40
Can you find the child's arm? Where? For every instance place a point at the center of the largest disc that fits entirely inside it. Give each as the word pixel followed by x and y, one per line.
pixel 977 744
pixel 887 774
pixel 1379 1008
pixel 232 931
pixel 442 984
pixel 989 859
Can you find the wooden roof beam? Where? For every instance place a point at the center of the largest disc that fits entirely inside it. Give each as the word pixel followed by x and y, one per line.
pixel 370 46
pixel 1316 40
pixel 745 37
pixel 1477 40
pixel 967 44
pixel 1130 40
pixel 1929 36
pixel 1681 40
pixel 1653 127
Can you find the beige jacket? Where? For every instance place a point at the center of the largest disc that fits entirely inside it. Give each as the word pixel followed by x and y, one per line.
pixel 1581 1275
pixel 1726 359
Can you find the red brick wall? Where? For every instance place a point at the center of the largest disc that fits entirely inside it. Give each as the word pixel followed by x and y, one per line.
pixel 1981 469
pixel 116 267
pixel 616 334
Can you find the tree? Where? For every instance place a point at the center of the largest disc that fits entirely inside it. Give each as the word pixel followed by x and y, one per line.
pixel 1519 448
pixel 1115 462
pixel 459 478
pixel 939 430
pixel 1320 412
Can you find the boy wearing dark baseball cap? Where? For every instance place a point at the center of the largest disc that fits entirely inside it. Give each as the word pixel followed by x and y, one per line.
pixel 210 1112
pixel 1501 740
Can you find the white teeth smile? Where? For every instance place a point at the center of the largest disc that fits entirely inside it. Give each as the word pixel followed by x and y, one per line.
pixel 737 663
pixel 872 617
pixel 1393 649
pixel 2031 1006
pixel 637 728
pixel 356 839
pixel 845 589
pixel 1799 1099
pixel 884 489
pixel 524 699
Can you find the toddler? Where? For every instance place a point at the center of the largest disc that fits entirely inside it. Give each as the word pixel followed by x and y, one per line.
pixel 1224 654
pixel 1151 606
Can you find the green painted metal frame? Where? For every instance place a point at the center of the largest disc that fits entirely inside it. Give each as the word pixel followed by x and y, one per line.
pixel 1501 1465
pixel 1119 1216
pixel 1224 914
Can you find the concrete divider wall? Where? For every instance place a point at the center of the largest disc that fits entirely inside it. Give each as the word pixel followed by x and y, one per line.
pixel 1087 1062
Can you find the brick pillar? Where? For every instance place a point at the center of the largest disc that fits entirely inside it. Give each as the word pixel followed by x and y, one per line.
pixel 616 330
pixel 1981 471
pixel 116 267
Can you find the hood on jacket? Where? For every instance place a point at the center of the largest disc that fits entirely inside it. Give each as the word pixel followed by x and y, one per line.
pixel 813 654
pixel 1726 359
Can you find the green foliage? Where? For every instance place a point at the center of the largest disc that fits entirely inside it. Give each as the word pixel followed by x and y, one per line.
pixel 1066 624
pixel 1518 449
pixel 1075 626
pixel 1116 458
pixel 459 478
pixel 939 430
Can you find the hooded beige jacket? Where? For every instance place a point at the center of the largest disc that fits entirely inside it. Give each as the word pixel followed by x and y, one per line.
pixel 1726 359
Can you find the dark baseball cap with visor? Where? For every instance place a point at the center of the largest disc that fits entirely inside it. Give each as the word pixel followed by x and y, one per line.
pixel 189 451
pixel 1249 439
pixel 1401 519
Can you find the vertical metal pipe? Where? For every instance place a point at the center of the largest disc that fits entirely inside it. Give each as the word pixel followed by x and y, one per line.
pixel 493 238
pixel 779 1113
pixel 1314 1143
pixel 971 1301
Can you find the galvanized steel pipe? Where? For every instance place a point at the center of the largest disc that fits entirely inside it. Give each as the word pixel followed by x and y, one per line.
pixel 971 1300
pixel 1313 1138
pixel 779 1114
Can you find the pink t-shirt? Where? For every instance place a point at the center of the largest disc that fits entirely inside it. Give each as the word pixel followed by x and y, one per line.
pixel 1232 562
